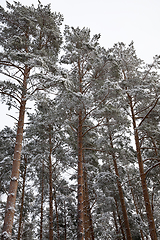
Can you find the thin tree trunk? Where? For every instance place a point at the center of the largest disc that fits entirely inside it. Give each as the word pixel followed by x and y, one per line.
pixel 150 218
pixel 80 181
pixel 120 221
pixel 116 225
pixel 123 206
pixel 152 200
pixel 136 207
pixel 57 218
pixel 10 206
pixel 22 199
pixel 50 189
pixel 42 199
pixel 65 223
pixel 80 225
pixel 88 225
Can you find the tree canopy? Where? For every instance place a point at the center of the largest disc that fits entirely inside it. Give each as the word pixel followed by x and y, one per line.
pixel 85 164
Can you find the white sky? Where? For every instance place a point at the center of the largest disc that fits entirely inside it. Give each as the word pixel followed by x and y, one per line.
pixel 115 20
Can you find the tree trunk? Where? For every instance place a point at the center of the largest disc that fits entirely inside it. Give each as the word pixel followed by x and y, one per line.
pixel 10 206
pixel 136 206
pixel 50 189
pixel 120 221
pixel 116 225
pixel 65 223
pixel 150 218
pixel 152 200
pixel 80 219
pixel 42 199
pixel 57 219
pixel 80 181
pixel 22 200
pixel 88 225
pixel 123 206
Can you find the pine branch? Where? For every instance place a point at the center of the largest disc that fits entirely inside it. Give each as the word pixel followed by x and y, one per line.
pixel 13 77
pixel 99 124
pixel 10 95
pixel 144 109
pixel 94 149
pixel 12 117
pixel 86 87
pixel 9 64
pixel 37 89
pixel 93 204
pixel 151 168
pixel 152 159
pixel 73 128
pixel 148 70
pixel 95 107
pixel 148 113
pixel 149 148
pixel 130 180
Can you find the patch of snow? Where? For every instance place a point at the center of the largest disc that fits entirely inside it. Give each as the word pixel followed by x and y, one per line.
pixel 14 179
pixel 11 194
pixel 6 235
pixel 11 209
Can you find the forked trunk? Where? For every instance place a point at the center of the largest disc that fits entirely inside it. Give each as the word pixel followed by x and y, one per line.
pixel 150 218
pixel 10 206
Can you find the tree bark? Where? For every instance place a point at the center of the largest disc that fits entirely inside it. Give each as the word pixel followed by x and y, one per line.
pixel 50 189
pixel 80 181
pixel 10 206
pixel 42 199
pixel 22 200
pixel 57 218
pixel 80 219
pixel 88 225
pixel 65 222
pixel 116 225
pixel 120 221
pixel 136 206
pixel 152 228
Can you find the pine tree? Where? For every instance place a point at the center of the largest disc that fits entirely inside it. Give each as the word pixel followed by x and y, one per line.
pixel 22 198
pixel 115 143
pixel 137 89
pixel 46 126
pixel 7 141
pixel 30 40
pixel 89 65
pixel 121 195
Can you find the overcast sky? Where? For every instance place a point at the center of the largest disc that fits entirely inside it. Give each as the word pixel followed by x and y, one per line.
pixel 115 20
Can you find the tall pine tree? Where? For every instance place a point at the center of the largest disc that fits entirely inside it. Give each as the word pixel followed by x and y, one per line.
pixel 30 40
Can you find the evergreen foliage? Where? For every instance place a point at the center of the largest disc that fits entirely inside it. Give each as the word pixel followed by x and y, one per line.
pixel 81 174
